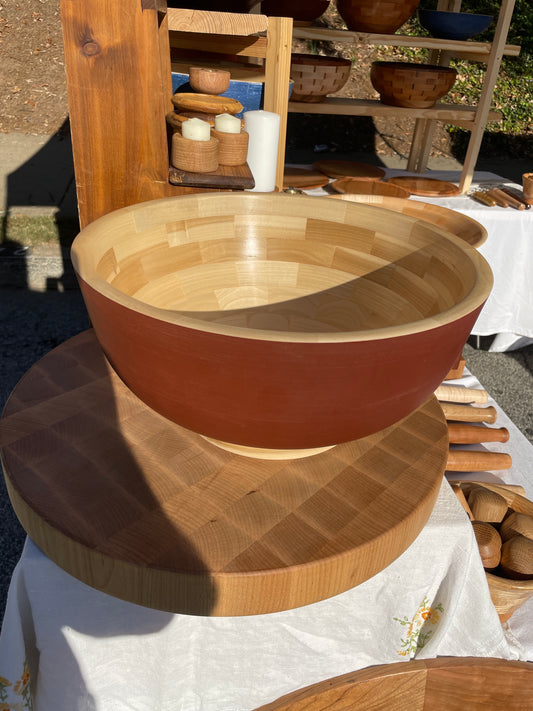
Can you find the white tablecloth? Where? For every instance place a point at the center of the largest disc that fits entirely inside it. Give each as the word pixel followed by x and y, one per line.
pixel 76 648
pixel 509 251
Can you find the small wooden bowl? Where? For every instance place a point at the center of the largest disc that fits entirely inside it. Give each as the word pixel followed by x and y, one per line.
pixel 410 85
pixel 194 156
pixel 353 186
pixel 208 80
pixel 263 303
pixel 467 229
pixel 232 147
pixel 316 76
pixel 377 16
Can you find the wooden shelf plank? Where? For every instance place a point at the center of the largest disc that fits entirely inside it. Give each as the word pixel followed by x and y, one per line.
pixel 226 177
pixel 481 49
pixel 371 107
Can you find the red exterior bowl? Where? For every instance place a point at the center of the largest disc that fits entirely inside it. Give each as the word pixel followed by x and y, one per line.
pixel 278 321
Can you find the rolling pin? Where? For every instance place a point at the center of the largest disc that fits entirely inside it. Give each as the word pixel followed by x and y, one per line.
pixel 514 195
pixel 512 200
pixel 501 200
pixel 464 460
pixel 469 413
pixel 455 393
pixel 483 198
pixel 475 434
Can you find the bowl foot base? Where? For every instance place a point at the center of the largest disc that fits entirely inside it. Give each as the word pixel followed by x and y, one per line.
pixel 265 453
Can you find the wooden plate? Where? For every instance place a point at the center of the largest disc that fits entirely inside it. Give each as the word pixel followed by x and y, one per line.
pixel 356 186
pixel 428 187
pixel 455 222
pixel 435 684
pixel 349 169
pixel 149 512
pixel 303 178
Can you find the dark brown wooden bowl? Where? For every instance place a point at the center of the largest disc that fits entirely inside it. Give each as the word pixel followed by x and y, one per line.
pixel 379 16
pixel 278 321
pixel 411 85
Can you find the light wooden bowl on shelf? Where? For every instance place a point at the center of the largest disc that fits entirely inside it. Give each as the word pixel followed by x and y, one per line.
pixel 353 186
pixel 455 222
pixel 209 80
pixel 377 16
pixel 316 76
pixel 411 85
pixel 443 684
pixel 277 321
pixel 507 595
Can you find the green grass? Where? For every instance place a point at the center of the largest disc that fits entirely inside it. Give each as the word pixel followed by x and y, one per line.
pixel 31 231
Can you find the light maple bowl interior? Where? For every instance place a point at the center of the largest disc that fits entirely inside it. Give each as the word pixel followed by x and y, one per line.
pixel 276 321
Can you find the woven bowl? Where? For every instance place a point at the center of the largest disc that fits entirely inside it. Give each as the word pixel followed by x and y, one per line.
pixel 415 86
pixel 278 321
pixel 379 16
pixel 453 25
pixel 316 76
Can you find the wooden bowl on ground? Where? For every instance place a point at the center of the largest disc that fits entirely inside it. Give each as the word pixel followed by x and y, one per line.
pixel 452 684
pixel 316 76
pixel 455 222
pixel 411 85
pixel 274 321
pixel 379 16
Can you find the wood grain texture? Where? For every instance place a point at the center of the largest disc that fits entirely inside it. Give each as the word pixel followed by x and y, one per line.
pixel 428 187
pixel 288 293
pixel 475 434
pixel 457 393
pixel 460 460
pixel 449 684
pixel 225 177
pixel 455 222
pixel 469 413
pixel 349 169
pixel 144 510
pixel 353 186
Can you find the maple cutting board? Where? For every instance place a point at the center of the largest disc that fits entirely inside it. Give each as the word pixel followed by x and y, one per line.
pixel 144 510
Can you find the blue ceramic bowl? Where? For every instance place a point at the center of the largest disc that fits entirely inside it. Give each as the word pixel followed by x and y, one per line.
pixel 453 25
pixel 249 93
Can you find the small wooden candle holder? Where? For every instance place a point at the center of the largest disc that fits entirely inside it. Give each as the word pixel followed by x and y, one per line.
pixel 527 187
pixel 194 156
pixel 233 147
pixel 208 80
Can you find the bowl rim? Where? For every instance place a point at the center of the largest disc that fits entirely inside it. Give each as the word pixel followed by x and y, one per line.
pixel 323 59
pixel 441 13
pixel 414 65
pixel 85 269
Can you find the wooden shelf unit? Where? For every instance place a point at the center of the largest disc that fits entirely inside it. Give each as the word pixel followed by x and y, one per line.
pixel 472 118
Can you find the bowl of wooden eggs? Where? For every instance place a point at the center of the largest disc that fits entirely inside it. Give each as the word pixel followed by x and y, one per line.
pixel 502 520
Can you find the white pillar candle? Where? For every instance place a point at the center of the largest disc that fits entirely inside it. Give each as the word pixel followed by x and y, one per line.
pixel 262 159
pixel 226 123
pixel 196 129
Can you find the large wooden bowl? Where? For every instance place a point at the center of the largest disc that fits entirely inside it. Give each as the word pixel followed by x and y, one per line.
pixel 275 321
pixel 462 226
pixel 380 16
pixel 315 76
pixel 411 85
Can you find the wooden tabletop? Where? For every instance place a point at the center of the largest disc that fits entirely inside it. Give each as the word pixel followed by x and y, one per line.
pixel 145 510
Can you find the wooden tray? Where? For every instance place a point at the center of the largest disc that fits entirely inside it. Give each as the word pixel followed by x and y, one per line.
pixel 428 187
pixel 144 510
pixel 349 169
pixel 356 186
pixel 226 177
pixel 303 178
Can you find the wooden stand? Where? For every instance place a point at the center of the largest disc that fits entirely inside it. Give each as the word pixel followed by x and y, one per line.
pixel 117 58
pixel 144 510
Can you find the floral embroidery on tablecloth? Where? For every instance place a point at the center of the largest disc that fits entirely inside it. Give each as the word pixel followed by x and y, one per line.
pixel 16 696
pixel 418 630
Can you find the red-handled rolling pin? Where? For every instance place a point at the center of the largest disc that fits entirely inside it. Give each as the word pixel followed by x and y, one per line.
pixel 475 434
pixel 455 393
pixel 469 413
pixel 462 460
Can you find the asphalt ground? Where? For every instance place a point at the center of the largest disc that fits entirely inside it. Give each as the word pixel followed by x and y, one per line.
pixel 41 306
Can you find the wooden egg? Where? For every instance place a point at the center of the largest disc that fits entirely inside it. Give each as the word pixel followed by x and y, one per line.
pixel 489 543
pixel 487 505
pixel 275 321
pixel 516 523
pixel 517 558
